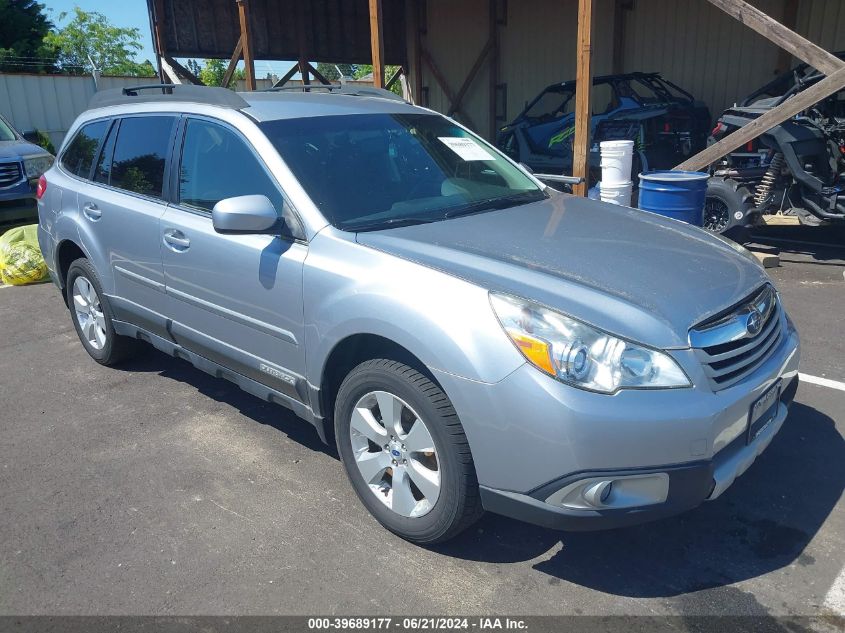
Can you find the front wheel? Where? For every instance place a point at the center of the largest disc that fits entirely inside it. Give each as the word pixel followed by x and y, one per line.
pixel 728 208
pixel 405 452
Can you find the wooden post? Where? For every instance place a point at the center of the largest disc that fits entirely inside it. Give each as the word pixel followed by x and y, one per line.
pixel 246 40
pixel 494 70
pixel 155 9
pixel 419 10
pixel 377 43
pixel 583 87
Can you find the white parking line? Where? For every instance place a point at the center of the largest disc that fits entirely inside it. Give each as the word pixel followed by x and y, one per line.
pixel 835 599
pixel 822 382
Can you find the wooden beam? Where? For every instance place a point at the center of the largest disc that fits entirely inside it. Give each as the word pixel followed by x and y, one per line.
pixel 318 75
pixel 233 62
pixel 479 62
pixel 156 10
pixel 493 82
pixel 287 76
pixel 377 42
pixel 182 71
pixel 170 72
pixel 303 71
pixel 788 109
pixel 418 69
pixel 394 78
pixel 246 41
pixel 583 87
pixel 441 81
pixel 773 30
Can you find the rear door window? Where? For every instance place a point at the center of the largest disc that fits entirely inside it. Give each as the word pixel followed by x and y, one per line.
pixel 140 154
pixel 79 156
pixel 102 172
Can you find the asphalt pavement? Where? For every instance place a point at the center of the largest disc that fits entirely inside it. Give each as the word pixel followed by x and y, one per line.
pixel 157 489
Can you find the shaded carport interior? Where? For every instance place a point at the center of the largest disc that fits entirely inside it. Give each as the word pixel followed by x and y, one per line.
pixel 480 60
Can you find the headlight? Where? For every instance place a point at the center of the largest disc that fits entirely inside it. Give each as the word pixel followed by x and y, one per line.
pixel 581 355
pixel 34 166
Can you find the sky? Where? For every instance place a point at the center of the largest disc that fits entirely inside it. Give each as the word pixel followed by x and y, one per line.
pixel 133 13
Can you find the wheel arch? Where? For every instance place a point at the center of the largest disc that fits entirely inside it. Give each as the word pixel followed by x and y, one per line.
pixel 67 251
pixel 350 352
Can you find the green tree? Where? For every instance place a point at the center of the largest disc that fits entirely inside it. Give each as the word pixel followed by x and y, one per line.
pixel 23 26
pixel 329 71
pixel 211 74
pixel 88 37
pixel 364 70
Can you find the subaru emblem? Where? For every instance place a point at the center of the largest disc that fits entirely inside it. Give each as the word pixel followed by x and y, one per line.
pixel 395 453
pixel 754 323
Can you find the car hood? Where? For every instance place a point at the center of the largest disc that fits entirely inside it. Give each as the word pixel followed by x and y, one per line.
pixel 19 149
pixel 633 273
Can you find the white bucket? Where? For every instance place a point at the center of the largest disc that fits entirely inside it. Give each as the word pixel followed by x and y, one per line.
pixel 616 161
pixel 616 193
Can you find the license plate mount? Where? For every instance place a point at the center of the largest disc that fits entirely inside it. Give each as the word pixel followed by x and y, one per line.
pixel 762 411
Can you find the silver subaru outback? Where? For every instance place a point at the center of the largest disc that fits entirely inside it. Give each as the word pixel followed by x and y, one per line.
pixel 471 339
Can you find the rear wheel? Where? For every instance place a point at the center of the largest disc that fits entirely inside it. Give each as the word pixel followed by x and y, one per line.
pixel 405 452
pixel 728 206
pixel 92 316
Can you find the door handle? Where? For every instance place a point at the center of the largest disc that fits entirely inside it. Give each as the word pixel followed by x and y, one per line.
pixel 176 240
pixel 91 211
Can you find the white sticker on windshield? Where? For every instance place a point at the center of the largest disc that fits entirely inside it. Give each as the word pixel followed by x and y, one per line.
pixel 466 148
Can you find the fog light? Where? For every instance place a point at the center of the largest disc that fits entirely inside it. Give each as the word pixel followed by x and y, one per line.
pixel 596 494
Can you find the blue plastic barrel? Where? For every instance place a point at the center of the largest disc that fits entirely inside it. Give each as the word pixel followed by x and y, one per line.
pixel 675 194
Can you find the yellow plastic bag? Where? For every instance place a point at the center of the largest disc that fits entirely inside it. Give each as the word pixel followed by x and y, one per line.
pixel 21 261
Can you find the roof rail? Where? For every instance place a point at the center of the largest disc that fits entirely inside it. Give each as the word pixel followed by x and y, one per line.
pixel 344 89
pixel 169 92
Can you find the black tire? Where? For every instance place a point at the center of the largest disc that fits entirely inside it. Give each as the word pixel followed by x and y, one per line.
pixel 458 505
pixel 728 208
pixel 116 348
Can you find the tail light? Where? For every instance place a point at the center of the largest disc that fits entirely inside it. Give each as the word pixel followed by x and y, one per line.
pixel 667 127
pixel 41 188
pixel 720 127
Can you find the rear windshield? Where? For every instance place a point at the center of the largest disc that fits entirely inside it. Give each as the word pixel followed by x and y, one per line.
pixel 371 171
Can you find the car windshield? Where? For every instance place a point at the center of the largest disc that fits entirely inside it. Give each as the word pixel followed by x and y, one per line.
pixel 372 171
pixel 6 132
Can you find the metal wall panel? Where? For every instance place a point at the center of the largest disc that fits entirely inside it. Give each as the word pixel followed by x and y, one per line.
pixel 823 23
pixel 51 103
pixel 703 50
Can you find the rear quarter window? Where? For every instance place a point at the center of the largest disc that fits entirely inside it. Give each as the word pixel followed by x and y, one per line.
pixel 140 153
pixel 79 155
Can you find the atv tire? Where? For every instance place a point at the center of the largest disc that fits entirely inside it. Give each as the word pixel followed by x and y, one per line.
pixel 728 208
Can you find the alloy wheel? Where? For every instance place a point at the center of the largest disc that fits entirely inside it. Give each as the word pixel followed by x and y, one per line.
pixel 395 454
pixel 716 215
pixel 89 313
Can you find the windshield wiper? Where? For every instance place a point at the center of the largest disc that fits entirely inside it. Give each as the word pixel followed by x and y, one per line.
pixel 495 203
pixel 389 223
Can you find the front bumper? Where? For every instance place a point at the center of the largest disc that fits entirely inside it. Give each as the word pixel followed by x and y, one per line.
pixel 532 436
pixel 17 203
pixel 689 485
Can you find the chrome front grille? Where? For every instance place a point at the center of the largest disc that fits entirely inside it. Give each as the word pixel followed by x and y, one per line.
pixel 10 174
pixel 732 345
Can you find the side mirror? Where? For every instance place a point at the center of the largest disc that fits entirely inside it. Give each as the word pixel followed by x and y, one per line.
pixel 244 214
pixel 30 136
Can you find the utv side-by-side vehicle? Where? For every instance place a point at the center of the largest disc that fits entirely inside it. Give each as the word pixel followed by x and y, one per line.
pixel 795 168
pixel 666 123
